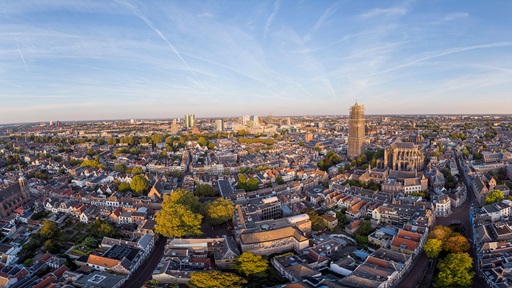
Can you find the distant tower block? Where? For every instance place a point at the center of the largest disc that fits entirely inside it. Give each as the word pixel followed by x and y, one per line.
pixel 356 131
pixel 309 137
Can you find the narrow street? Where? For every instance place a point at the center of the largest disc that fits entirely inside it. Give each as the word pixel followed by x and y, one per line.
pixel 145 270
pixel 458 214
pixel 462 214
pixel 414 276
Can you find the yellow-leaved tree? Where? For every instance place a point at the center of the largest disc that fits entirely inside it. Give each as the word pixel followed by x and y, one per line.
pixel 177 218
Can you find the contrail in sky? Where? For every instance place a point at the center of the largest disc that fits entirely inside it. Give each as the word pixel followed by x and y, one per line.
pixel 157 31
pixel 21 54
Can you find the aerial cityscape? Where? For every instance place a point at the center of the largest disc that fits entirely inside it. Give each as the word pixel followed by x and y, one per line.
pixel 283 144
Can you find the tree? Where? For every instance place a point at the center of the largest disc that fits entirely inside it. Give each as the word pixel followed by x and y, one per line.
pixel 139 184
pixel 101 228
pixel 28 262
pixel 365 228
pixel 112 141
pixel 433 247
pixel 92 164
pixel 156 138
pixel 279 180
pixel 153 282
pixel 90 242
pixel 49 230
pixel 249 264
pixel 177 220
pixel 124 186
pixel 137 170
pixel 331 159
pixel 456 244
pixel 454 271
pixel 342 217
pixel 185 198
pixel 205 190
pixel 361 240
pixel 220 211
pixel 252 184
pixel 120 168
pixel 202 141
pixel 215 279
pixel 494 196
pixel 211 146
pixel 440 232
pixel 51 246
pixel 317 222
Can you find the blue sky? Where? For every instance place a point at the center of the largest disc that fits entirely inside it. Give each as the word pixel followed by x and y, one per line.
pixel 74 60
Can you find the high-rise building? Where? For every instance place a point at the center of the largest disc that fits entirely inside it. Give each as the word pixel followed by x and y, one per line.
pixel 190 120
pixel 174 127
pixel 356 131
pixel 219 125
pixel 309 137
pixel 245 119
pixel 254 119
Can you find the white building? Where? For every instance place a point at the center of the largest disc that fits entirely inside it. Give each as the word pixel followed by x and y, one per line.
pixel 443 206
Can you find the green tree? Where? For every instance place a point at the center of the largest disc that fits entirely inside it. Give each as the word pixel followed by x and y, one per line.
pixel 279 180
pixel 330 159
pixel 433 247
pixel 101 228
pixel 90 242
pixel 137 170
pixel 185 198
pixel 176 220
pixel 456 244
pixel 28 262
pixel 216 279
pixel 365 228
pixel 317 222
pixel 139 184
pixel 51 246
pixel 361 240
pixel 454 271
pixel 152 283
pixel 220 211
pixel 249 264
pixel 252 184
pixel 92 164
pixel 156 138
pixel 120 168
pixel 112 141
pixel 494 196
pixel 124 186
pixel 205 190
pixel 49 230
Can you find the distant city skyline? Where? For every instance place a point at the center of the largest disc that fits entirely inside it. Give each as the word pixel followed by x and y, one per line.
pixel 94 60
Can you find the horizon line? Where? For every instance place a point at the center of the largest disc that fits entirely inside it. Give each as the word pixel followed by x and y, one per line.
pixel 279 116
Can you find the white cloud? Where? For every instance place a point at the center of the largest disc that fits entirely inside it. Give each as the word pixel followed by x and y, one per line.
pixel 270 18
pixel 456 15
pixel 395 11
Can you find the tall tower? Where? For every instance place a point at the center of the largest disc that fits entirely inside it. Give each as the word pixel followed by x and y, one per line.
pixel 190 120
pixel 174 127
pixel 356 131
pixel 219 125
